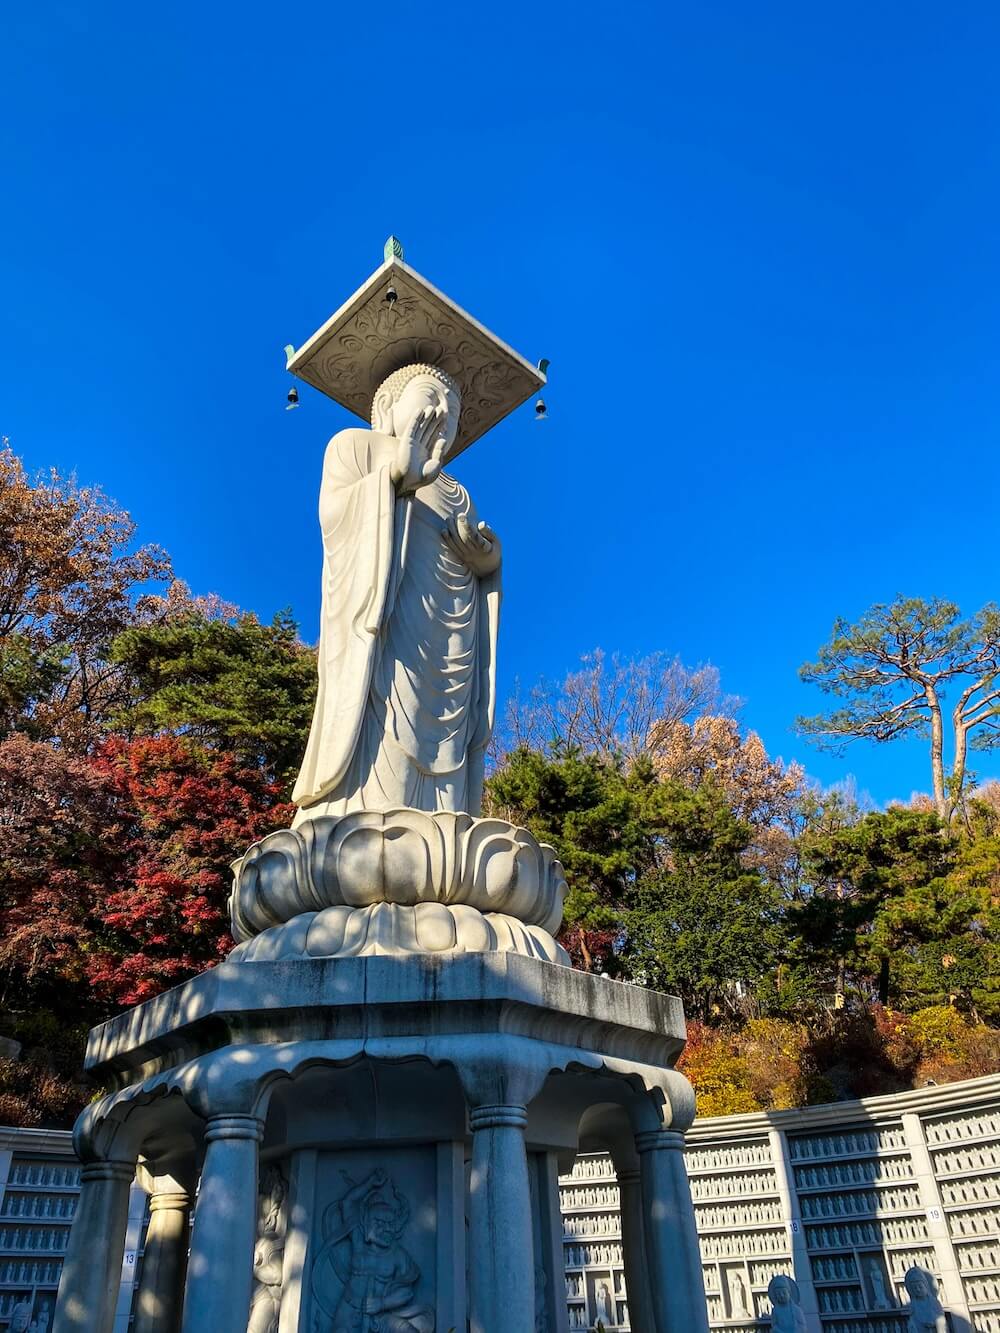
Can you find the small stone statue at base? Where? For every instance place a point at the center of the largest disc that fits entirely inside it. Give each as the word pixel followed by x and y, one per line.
pixel 786 1310
pixel 925 1311
pixel 20 1317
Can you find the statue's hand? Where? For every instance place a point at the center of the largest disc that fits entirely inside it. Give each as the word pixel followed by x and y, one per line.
pixel 478 548
pixel 420 452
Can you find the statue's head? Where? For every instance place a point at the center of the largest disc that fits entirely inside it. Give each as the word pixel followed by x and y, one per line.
pixel 384 1215
pixel 918 1283
pixel 783 1290
pixel 408 391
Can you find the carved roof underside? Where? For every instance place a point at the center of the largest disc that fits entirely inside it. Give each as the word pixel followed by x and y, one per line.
pixel 369 337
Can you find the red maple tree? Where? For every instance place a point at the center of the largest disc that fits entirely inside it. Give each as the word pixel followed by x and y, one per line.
pixel 115 867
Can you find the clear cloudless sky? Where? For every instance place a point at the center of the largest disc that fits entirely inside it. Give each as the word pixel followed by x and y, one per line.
pixel 758 242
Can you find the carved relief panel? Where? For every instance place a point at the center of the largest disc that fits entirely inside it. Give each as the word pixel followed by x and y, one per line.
pixel 372 1261
pixel 269 1251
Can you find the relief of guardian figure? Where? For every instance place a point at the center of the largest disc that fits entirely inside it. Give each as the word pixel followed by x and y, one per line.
pixel 364 1280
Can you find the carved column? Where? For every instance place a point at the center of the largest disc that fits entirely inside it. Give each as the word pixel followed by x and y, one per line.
pixel 672 1253
pixel 220 1269
pixel 500 1234
pixel 952 1290
pixel 640 1305
pixel 91 1275
pixel 161 1285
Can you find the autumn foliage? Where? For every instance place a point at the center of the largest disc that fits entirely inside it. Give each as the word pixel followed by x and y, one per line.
pixel 146 739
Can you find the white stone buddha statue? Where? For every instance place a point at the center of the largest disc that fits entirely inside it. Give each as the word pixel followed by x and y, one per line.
pixel 411 600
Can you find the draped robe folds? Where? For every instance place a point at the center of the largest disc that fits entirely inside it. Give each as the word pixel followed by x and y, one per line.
pixel 407 648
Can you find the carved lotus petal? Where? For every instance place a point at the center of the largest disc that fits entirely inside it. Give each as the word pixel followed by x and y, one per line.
pixel 434 928
pixel 392 928
pixel 369 860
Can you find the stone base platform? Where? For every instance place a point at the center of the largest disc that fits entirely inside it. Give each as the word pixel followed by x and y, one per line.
pixel 375 1144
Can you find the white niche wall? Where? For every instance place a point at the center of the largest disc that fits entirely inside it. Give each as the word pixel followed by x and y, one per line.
pixel 844 1197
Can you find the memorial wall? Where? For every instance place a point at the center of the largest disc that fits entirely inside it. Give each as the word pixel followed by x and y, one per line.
pixel 39 1188
pixel 845 1198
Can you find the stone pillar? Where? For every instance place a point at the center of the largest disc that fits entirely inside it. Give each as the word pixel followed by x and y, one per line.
pixel 640 1303
pixel 220 1269
pixel 673 1256
pixel 161 1285
pixel 91 1275
pixel 951 1291
pixel 784 1175
pixel 502 1261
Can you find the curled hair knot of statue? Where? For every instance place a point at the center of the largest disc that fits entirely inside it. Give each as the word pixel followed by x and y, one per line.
pixel 394 384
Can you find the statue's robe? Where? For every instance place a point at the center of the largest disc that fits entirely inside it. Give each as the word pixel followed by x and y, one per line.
pixel 407 654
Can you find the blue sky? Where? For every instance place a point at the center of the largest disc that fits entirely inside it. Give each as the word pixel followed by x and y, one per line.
pixel 757 242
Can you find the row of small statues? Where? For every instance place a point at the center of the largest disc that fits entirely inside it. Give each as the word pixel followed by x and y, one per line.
pixel 745 1154
pixel 837 1300
pixel 597 1167
pixel 34 1238
pixel 44 1173
pixel 894 1230
pixel 584 1256
pixel 981 1290
pixel 981 1256
pixel 834 1268
pixel 981 1189
pixel 971 1127
pixel 714 1187
pixel 592 1224
pixel 845 1145
pixel 590 1197
pixel 740 1215
pixel 29 1273
pixel 975 1224
pixel 860 1201
pixel 750 1242
pixel 985 1158
pixel 867 1171
pixel 39 1205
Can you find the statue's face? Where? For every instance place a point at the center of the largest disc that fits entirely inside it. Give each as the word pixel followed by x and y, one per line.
pixel 382 1226
pixel 425 391
pixel 781 1291
pixel 918 1288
